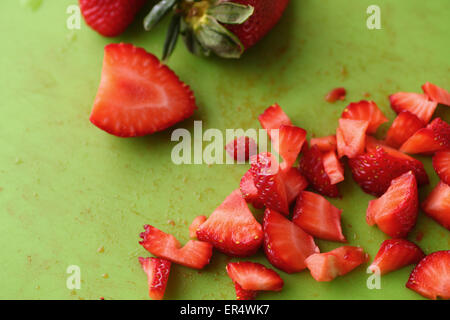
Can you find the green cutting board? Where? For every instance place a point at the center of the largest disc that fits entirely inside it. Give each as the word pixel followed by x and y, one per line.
pixel 67 188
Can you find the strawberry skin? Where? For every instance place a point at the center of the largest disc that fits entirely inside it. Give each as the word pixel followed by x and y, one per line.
pixel 437 204
pixel 317 216
pixel 336 94
pixel 325 143
pixel 249 191
pixel 351 137
pixel 367 111
pixel 294 183
pixel 436 94
pixel 431 277
pixel 241 148
pixel 441 164
pixel 157 271
pixel 138 95
pixel 196 223
pixel 231 228
pixel 395 213
pixel 273 118
pixel 403 127
pixel 286 245
pixel 288 144
pixel 434 137
pixel 415 103
pixel 194 254
pixel 395 254
pixel 333 167
pixel 254 276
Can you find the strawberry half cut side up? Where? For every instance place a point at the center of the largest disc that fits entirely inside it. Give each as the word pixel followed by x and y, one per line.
pixel 138 95
pixel 333 167
pixel 254 276
pixel 231 228
pixel 273 118
pixel 437 204
pixel 436 94
pixel 294 182
pixel 288 143
pixel 416 103
pixel 434 137
pixel 286 245
pixel 367 111
pixel 403 127
pixel 336 94
pixel 195 254
pixel 441 164
pixel 395 254
pixel 325 144
pixel 431 277
pixel 351 137
pixel 157 271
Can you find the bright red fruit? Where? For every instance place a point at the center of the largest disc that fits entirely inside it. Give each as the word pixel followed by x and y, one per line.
pixel 242 294
pixel 317 216
pixel 431 277
pixel 437 204
pixel 285 244
pixel 434 137
pixel 441 164
pixel 254 276
pixel 231 228
pixel 436 94
pixel 395 213
pixel 288 144
pixel 325 143
pixel 351 137
pixel 294 182
pixel 157 271
pixel 333 167
pixel 194 254
pixel 365 110
pixel 138 95
pixel 241 148
pixel 403 127
pixel 395 254
pixel 249 191
pixel 338 262
pixel 273 118
pixel 198 221
pixel 110 17
pixel 336 94
pixel 415 103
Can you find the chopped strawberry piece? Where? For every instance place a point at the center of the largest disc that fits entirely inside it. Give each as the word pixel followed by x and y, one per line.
pixel 365 110
pixel 338 262
pixel 325 144
pixel 431 277
pixel 273 118
pixel 294 182
pixel 317 216
pixel 437 204
pixel 249 191
pixel 138 95
pixel 351 137
pixel 403 127
pixel 286 245
pixel 395 254
pixel 231 228
pixel 311 166
pixel 441 164
pixel 333 167
pixel 198 221
pixel 436 94
pixel 415 103
pixel 195 254
pixel 269 182
pixel 242 294
pixel 241 148
pixel 288 144
pixel 254 276
pixel 432 138
pixel 157 276
pixel 395 213
pixel 336 94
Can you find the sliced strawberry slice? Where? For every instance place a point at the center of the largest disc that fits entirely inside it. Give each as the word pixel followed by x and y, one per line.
pixel 338 262
pixel 249 191
pixel 415 103
pixel 241 148
pixel 441 164
pixel 231 228
pixel 317 216
pixel 242 294
pixel 395 213
pixel 195 254
pixel 351 137
pixel 437 204
pixel 138 95
pixel 436 94
pixel 333 167
pixel 432 138
pixel 325 144
pixel 403 127
pixel 285 244
pixel 254 276
pixel 311 166
pixel 288 144
pixel 157 271
pixel 365 110
pixel 336 94
pixel 198 221
pixel 431 277
pixel 294 182
pixel 273 118
pixel 395 254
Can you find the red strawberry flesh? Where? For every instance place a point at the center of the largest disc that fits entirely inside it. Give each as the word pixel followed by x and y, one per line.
pixel 157 276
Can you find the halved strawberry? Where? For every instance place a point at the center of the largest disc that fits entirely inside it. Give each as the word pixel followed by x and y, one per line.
pixel 249 191
pixel 336 94
pixel 231 228
pixel 395 254
pixel 242 294
pixel 311 166
pixel 254 276
pixel 317 216
pixel 403 127
pixel 288 144
pixel 194 254
pixel 365 110
pixel 395 213
pixel 157 271
pixel 431 277
pixel 338 262
pixel 436 94
pixel 294 182
pixel 415 103
pixel 138 95
pixel 268 180
pixel 286 245
pixel 196 223
pixel 441 164
pixel 241 148
pixel 273 118
pixel 434 137
pixel 437 204
pixel 351 137
pixel 333 167
pixel 325 144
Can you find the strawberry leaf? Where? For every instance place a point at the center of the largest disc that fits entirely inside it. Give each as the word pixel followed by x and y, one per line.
pixel 157 13
pixel 172 36
pixel 231 13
